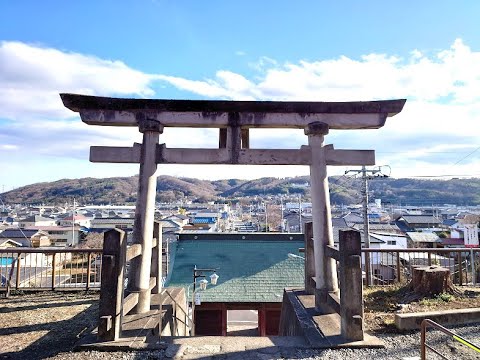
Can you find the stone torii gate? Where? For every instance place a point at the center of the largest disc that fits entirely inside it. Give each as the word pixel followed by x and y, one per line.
pixel 234 119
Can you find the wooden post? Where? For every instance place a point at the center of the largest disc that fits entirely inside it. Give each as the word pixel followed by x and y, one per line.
pixel 89 269
pixel 111 290
pixel 351 292
pixel 156 268
pixel 262 321
pixel 309 259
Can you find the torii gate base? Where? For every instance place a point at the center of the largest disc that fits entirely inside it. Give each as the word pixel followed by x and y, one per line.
pixel 329 321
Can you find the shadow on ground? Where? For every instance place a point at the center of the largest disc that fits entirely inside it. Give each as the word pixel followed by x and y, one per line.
pixel 60 336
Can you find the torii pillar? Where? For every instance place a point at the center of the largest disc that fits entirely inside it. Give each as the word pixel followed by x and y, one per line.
pixel 139 274
pixel 325 268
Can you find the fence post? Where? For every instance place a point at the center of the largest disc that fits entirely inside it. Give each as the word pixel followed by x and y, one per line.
pixel 17 276
pixel 111 289
pixel 89 269
pixel 351 285
pixel 309 259
pixel 472 262
pixel 460 270
pixel 399 272
pixel 54 265
pixel 156 266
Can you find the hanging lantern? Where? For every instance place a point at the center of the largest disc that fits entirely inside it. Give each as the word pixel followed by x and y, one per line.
pixel 214 278
pixel 203 284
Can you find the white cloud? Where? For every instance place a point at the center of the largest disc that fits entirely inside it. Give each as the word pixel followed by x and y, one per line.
pixel 8 147
pixel 454 73
pixel 32 76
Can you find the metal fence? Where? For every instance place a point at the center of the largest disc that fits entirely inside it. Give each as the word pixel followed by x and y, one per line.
pixel 65 268
pixel 390 266
pixel 424 345
pixel 50 269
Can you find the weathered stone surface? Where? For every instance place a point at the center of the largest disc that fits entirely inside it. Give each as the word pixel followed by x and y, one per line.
pixel 203 349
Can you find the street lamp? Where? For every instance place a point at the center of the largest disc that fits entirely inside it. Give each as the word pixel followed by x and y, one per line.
pixel 199 273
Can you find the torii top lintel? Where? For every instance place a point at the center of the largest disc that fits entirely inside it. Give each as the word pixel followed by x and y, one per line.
pixel 95 110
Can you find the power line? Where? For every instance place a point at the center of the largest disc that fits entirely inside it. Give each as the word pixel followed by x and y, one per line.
pixel 473 152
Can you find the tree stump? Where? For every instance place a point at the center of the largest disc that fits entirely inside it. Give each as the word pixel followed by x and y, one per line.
pixel 431 280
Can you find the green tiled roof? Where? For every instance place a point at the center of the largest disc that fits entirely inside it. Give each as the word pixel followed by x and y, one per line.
pixel 248 270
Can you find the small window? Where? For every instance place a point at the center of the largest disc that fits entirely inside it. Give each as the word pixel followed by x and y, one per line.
pixel 391 242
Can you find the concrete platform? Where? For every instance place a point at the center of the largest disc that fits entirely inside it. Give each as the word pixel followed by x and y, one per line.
pixel 317 331
pixel 413 321
pixel 322 330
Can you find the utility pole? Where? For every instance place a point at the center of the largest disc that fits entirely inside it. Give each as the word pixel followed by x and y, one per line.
pixel 281 211
pixel 366 224
pixel 73 223
pixel 300 229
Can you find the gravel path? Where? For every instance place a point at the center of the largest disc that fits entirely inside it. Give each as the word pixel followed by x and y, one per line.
pixel 396 347
pixel 46 326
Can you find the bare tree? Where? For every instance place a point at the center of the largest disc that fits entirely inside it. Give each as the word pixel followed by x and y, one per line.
pixel 93 240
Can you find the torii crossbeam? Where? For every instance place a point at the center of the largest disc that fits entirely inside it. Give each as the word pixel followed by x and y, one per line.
pixel 233 118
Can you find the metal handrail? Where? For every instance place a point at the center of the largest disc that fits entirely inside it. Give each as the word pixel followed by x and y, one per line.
pixel 51 274
pixel 424 346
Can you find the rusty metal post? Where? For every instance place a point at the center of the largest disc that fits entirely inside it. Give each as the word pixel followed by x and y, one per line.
pixel 54 266
pixel 399 273
pixel 111 288
pixel 351 293
pixel 460 270
pixel 17 276
pixel 139 276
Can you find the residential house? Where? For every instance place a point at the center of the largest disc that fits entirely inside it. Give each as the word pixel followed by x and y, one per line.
pixel 178 218
pixel 353 218
pixel 107 223
pixel 25 237
pixel 427 223
pixel 36 220
pixel 78 219
pixel 61 236
pixel 205 218
pixel 380 228
pixel 422 240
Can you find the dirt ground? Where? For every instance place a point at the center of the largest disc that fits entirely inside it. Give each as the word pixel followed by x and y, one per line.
pixel 41 325
pixel 382 303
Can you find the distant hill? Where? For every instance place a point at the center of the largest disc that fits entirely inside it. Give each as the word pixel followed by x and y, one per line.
pixel 343 190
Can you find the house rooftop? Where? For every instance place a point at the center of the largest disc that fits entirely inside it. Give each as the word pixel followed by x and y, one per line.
pixel 251 267
pixel 420 219
pixel 35 218
pixel 423 237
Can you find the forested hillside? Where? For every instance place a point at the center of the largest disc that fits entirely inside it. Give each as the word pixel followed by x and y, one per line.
pixel 343 190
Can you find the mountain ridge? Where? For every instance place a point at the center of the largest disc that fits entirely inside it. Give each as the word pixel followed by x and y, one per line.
pixel 343 190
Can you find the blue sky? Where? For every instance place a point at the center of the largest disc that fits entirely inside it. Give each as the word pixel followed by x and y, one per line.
pixel 427 52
